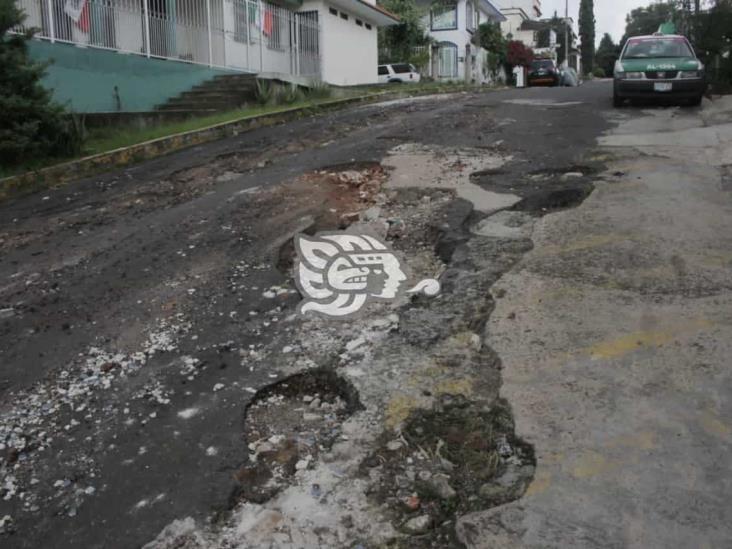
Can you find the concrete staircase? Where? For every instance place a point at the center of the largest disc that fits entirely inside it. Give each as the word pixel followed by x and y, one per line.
pixel 222 93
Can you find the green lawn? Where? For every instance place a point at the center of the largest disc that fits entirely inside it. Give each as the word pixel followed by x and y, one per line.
pixel 107 139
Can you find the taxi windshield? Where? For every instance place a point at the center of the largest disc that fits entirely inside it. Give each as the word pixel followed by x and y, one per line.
pixel 643 48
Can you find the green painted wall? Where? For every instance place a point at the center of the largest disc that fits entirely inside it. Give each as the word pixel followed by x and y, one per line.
pixel 84 79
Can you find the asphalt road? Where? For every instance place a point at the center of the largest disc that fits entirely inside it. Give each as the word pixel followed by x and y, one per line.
pixel 136 304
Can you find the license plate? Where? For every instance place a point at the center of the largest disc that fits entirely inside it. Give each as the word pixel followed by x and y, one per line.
pixel 662 86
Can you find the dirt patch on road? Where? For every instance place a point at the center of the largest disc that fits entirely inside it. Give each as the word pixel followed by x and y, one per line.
pixel 448 461
pixel 288 425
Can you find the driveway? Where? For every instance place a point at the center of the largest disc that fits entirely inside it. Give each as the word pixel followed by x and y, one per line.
pixel 567 387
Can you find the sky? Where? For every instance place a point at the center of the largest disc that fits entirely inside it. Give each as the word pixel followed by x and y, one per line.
pixel 609 14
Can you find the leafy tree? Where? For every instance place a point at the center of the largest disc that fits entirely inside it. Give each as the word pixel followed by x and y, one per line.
pixel 518 54
pixel 398 42
pixel 490 38
pixel 32 126
pixel 587 34
pixel 711 34
pixel 606 55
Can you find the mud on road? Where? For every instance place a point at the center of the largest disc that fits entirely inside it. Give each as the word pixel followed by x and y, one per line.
pixel 158 385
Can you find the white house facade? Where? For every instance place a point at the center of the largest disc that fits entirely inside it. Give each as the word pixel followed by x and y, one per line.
pixel 516 26
pixel 453 25
pixel 333 40
pixel 532 8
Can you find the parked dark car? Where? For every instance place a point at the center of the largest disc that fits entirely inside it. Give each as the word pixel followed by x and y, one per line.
pixel 543 72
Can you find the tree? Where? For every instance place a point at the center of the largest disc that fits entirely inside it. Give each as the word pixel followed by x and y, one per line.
pixel 517 54
pixel 646 20
pixel 606 55
pixel 587 34
pixel 398 42
pixel 490 38
pixel 711 35
pixel 32 126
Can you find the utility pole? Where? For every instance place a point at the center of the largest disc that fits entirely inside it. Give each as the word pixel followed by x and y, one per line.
pixel 566 34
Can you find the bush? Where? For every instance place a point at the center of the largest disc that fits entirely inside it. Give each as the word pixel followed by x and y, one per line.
pixel 319 90
pixel 265 93
pixel 291 94
pixel 598 72
pixel 32 126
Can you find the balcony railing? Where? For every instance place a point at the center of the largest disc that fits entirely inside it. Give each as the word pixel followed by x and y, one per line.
pixel 246 35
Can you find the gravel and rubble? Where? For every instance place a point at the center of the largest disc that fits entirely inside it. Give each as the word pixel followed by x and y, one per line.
pixel 72 403
pixel 238 422
pixel 429 439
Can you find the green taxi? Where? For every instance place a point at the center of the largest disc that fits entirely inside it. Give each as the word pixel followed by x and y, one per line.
pixel 658 66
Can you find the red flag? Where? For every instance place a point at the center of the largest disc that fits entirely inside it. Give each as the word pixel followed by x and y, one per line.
pixel 268 23
pixel 83 22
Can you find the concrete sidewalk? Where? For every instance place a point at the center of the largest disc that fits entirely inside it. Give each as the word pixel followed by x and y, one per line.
pixel 615 334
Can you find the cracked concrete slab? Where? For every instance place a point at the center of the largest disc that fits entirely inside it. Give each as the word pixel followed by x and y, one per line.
pixel 615 333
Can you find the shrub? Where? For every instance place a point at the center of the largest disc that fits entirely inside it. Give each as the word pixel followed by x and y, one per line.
pixel 291 94
pixel 32 126
pixel 265 92
pixel 598 72
pixel 319 90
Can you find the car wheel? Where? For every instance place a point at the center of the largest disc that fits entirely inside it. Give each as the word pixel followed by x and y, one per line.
pixel 617 101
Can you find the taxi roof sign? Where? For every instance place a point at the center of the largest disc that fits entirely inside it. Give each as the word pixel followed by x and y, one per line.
pixel 666 28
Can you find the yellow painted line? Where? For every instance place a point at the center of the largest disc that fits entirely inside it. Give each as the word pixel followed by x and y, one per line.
pixel 644 338
pixel 542 481
pixel 644 440
pixel 588 243
pixel 714 426
pixel 592 464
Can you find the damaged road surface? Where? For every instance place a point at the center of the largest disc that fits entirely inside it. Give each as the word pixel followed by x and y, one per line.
pixel 159 388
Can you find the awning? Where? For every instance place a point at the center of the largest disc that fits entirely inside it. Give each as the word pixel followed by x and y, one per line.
pixel 368 12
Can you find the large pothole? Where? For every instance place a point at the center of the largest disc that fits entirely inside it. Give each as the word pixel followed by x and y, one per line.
pixel 457 458
pixel 287 425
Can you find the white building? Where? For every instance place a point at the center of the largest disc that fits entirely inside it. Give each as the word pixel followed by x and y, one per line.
pixel 332 40
pixel 453 24
pixel 515 26
pixel 532 8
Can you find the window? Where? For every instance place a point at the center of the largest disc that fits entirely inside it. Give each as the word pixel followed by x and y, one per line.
pixel 640 48
pixel 359 22
pixel 401 68
pixel 383 69
pixel 333 11
pixel 443 15
pixel 344 16
pixel 469 16
pixel 245 14
pixel 368 26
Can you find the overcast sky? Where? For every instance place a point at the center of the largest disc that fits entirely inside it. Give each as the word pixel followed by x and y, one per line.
pixel 609 14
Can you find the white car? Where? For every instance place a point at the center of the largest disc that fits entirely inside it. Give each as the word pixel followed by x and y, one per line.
pixel 398 72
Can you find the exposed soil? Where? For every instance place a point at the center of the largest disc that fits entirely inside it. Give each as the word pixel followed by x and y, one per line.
pixel 287 425
pixel 448 461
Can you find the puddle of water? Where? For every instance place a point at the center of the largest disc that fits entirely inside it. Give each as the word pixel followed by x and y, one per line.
pixel 421 166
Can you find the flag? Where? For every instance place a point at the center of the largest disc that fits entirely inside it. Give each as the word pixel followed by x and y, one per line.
pixel 78 11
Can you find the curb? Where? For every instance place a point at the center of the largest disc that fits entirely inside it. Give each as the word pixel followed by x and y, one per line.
pixel 28 182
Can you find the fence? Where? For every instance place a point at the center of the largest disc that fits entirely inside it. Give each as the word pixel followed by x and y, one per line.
pixel 246 35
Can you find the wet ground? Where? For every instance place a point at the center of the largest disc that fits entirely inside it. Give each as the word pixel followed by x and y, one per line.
pixel 156 379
